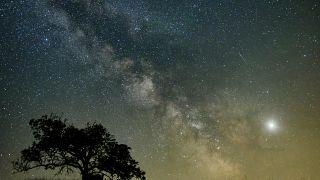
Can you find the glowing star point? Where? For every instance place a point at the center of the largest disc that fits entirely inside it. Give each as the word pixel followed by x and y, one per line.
pixel 271 125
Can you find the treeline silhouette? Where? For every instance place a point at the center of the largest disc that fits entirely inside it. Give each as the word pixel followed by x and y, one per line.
pixel 91 150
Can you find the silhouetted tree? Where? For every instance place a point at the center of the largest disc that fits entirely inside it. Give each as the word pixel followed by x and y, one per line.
pixel 91 150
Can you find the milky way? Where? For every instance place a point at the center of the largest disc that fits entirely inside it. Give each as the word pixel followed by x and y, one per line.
pixel 199 89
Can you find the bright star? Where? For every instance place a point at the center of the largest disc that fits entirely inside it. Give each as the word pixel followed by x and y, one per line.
pixel 271 125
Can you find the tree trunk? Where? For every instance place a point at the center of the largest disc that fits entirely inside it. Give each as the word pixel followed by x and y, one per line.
pixel 85 176
pixel 85 172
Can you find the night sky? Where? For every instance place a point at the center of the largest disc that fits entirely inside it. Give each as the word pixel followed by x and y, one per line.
pixel 202 89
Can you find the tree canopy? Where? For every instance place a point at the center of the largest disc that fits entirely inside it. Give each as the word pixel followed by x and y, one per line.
pixel 92 150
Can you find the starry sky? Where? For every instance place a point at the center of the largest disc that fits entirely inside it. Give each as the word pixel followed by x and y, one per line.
pixel 200 89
